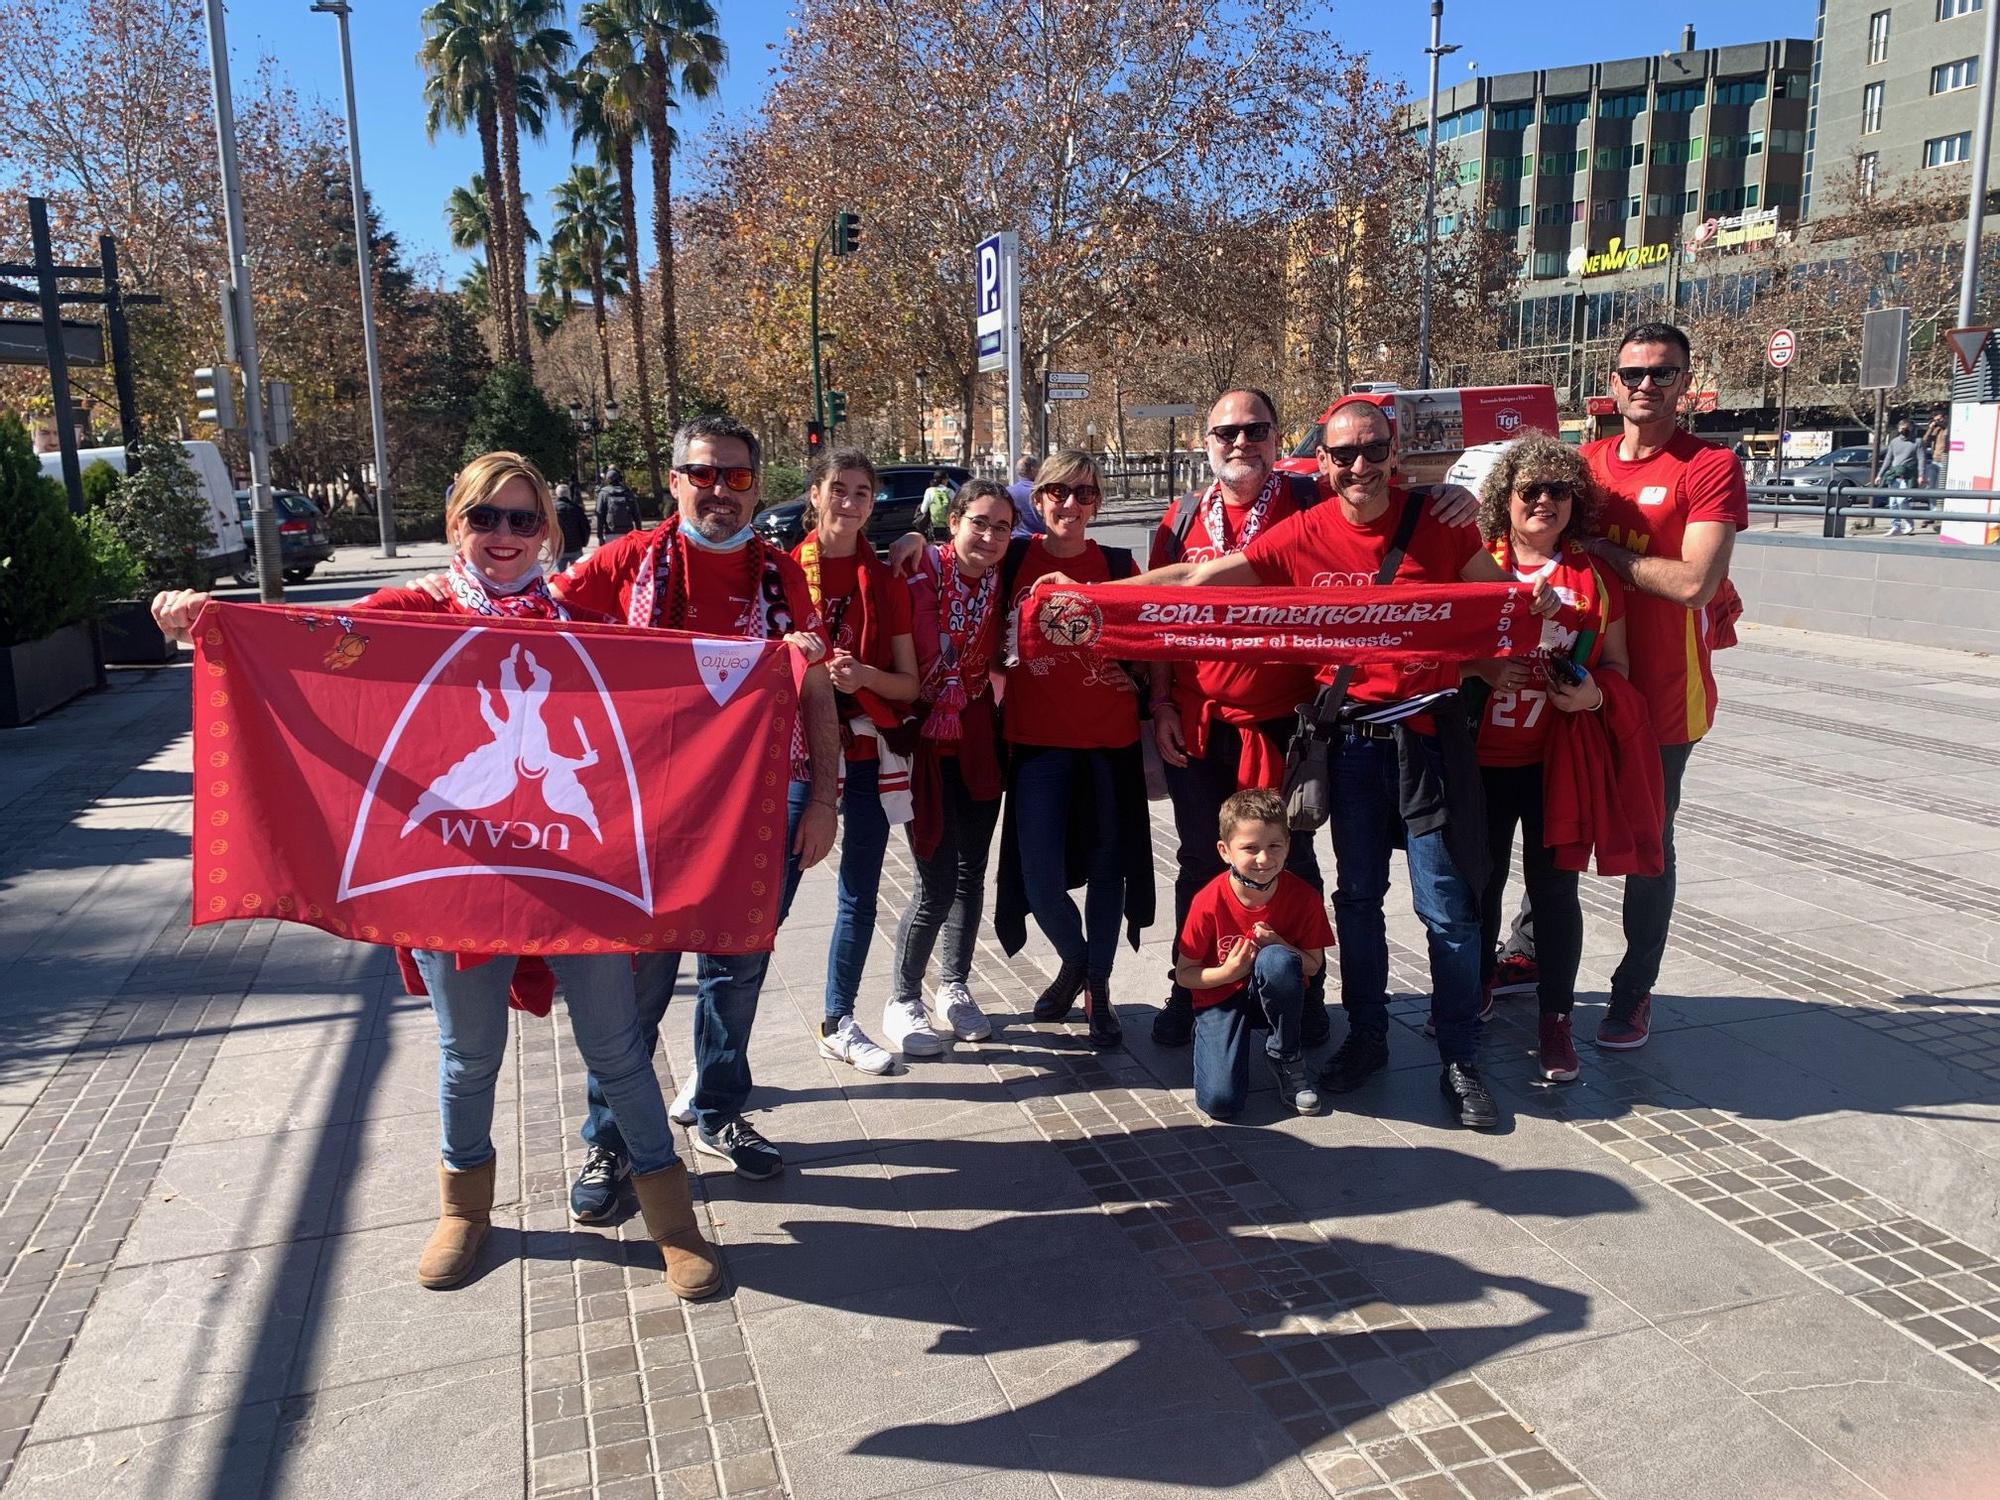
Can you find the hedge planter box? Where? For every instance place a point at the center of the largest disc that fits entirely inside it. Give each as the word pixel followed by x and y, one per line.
pixel 46 674
pixel 131 638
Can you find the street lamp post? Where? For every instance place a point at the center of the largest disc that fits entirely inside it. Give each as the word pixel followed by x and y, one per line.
pixel 1435 51
pixel 384 516
pixel 589 426
pixel 923 421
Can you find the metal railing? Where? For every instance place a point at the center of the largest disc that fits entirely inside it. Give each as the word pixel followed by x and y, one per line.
pixel 1838 502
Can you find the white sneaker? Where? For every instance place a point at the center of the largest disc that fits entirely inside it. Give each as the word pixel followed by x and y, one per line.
pixel 848 1043
pixel 962 1013
pixel 906 1027
pixel 682 1109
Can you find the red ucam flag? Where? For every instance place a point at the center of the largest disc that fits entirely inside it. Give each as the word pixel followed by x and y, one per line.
pixel 484 786
pixel 1320 626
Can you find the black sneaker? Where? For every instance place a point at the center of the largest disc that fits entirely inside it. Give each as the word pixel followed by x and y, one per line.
pixel 1467 1097
pixel 738 1143
pixel 593 1197
pixel 1360 1055
pixel 1102 1018
pixel 1174 1025
pixel 1293 1090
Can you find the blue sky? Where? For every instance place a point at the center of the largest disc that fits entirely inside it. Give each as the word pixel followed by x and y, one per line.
pixel 410 176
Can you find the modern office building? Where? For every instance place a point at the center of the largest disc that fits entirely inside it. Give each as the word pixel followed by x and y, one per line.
pixel 1894 94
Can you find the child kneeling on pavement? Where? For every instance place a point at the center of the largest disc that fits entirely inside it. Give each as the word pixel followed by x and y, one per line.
pixel 1254 935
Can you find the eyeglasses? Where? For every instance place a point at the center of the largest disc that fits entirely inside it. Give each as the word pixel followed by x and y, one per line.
pixel 1082 494
pixel 1634 376
pixel 984 527
pixel 489 518
pixel 1250 432
pixel 706 476
pixel 1344 454
pixel 1558 490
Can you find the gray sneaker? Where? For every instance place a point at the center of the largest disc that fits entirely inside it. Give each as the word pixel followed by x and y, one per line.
pixel 1294 1088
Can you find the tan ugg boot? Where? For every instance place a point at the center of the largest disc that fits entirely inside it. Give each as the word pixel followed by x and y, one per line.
pixel 466 1209
pixel 693 1268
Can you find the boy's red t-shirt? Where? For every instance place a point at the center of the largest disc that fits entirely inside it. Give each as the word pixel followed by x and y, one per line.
pixel 1648 508
pixel 1217 921
pixel 1321 548
pixel 1079 702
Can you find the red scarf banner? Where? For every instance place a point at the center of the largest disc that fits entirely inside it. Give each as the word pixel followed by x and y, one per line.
pixel 1402 622
pixel 490 786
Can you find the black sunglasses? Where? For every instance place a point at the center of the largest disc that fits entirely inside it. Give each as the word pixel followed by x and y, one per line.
pixel 1344 454
pixel 1250 432
pixel 1558 490
pixel 486 518
pixel 1634 376
pixel 1082 494
pixel 705 476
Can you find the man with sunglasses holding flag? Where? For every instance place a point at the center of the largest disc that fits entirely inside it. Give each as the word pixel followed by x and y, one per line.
pixel 1674 504
pixel 704 570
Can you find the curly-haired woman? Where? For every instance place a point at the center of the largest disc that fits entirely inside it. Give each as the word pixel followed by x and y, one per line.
pixel 1537 506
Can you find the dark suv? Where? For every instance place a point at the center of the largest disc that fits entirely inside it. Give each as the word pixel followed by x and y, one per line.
pixel 303 543
pixel 899 498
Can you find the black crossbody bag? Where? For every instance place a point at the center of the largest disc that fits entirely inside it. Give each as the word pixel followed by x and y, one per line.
pixel 1308 787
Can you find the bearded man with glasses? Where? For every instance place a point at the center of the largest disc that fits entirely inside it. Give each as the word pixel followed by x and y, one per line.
pixel 704 570
pixel 1674 504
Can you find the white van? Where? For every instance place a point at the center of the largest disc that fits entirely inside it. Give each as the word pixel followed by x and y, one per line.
pixel 229 553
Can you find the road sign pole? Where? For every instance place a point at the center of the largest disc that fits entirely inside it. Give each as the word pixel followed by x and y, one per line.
pixel 1010 283
pixel 1784 391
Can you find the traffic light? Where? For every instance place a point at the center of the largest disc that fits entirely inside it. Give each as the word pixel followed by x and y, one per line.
pixel 215 389
pixel 815 439
pixel 846 233
pixel 836 408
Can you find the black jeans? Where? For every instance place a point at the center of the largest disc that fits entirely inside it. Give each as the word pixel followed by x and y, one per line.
pixel 1649 899
pixel 951 889
pixel 1514 797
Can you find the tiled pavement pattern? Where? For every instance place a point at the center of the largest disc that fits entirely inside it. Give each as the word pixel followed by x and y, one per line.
pixel 1755 1259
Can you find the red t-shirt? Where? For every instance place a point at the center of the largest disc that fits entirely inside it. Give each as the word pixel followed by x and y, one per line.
pixel 1217 921
pixel 1322 548
pixel 1080 702
pixel 720 586
pixel 1648 508
pixel 843 612
pixel 1243 692
pixel 1514 729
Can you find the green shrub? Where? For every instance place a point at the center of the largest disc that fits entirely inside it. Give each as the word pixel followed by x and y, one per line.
pixel 511 413
pixel 355 528
pixel 100 483
pixel 161 514
pixel 117 574
pixel 46 573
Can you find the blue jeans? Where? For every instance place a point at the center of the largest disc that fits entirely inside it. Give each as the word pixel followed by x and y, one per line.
pixel 1052 786
pixel 950 890
pixel 1367 824
pixel 864 839
pixel 471 1009
pixel 1272 998
pixel 725 1007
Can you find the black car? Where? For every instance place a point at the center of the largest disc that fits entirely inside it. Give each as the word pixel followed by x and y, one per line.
pixel 899 498
pixel 303 543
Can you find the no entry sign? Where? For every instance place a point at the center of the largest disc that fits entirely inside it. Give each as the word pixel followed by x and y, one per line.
pixel 1784 346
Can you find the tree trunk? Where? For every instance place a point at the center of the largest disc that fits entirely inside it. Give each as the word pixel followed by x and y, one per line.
pixel 968 391
pixel 496 229
pixel 509 102
pixel 661 147
pixel 603 327
pixel 635 298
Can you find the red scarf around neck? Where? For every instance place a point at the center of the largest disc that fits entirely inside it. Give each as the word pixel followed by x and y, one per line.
pixel 660 590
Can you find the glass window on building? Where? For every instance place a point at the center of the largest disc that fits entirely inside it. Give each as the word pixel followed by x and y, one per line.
pixel 1565 111
pixel 1723 147
pixel 1739 91
pixel 1621 106
pixel 1949 10
pixel 1788 141
pixel 1946 150
pixel 1632 207
pixel 1678 153
pixel 1468 171
pixel 1865 167
pixel 1465 122
pixel 1792 86
pixel 1878 37
pixel 1682 100
pixel 1513 116
pixel 1550 263
pixel 1871 109
pixel 1948 77
pixel 1781 195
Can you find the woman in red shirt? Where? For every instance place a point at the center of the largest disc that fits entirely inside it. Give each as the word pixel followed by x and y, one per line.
pixel 1537 506
pixel 872 660
pixel 501 519
pixel 1072 729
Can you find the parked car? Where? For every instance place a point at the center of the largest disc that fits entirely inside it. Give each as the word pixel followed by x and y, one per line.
pixel 228 549
pixel 303 543
pixel 899 494
pixel 1843 465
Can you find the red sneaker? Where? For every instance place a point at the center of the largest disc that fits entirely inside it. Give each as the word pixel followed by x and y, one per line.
pixel 1626 1024
pixel 1559 1062
pixel 1517 975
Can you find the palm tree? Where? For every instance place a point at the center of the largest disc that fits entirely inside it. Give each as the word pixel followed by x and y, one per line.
pixel 469 222
pixel 477 290
pixel 679 42
pixel 559 274
pixel 588 220
pixel 495 57
pixel 607 95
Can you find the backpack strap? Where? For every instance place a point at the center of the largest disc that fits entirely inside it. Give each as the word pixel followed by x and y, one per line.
pixel 1324 710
